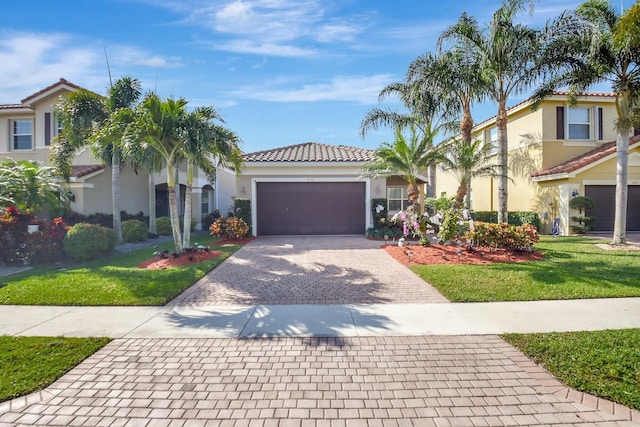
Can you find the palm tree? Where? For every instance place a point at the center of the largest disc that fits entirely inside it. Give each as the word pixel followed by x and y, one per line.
pixel 424 112
pixel 508 54
pixel 29 186
pixel 89 119
pixel 404 158
pixel 467 160
pixel 455 75
pixel 607 49
pixel 205 145
pixel 159 126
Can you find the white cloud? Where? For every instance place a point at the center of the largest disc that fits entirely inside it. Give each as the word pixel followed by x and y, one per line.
pixel 362 90
pixel 31 61
pixel 268 49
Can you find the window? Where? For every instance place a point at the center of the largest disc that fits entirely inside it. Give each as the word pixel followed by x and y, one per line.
pixel 492 140
pixel 397 199
pixel 58 126
pixel 22 134
pixel 204 203
pixel 579 123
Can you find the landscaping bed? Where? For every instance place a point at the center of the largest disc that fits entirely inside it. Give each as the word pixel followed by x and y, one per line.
pixel 453 254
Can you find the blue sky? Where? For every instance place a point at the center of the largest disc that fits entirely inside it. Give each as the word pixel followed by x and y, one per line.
pixel 280 72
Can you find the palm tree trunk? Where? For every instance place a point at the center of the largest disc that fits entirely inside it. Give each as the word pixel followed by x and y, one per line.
pixel 413 194
pixel 462 191
pixel 466 123
pixel 186 237
pixel 173 207
pixel 620 218
pixel 115 193
pixel 501 123
pixel 431 186
pixel 152 205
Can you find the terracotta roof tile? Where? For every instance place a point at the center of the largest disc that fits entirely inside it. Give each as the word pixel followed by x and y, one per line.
pixel 78 171
pixel 311 152
pixel 583 160
pixel 58 83
pixel 10 106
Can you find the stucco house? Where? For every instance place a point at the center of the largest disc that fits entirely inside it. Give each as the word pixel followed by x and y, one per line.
pixel 28 129
pixel 314 188
pixel 557 152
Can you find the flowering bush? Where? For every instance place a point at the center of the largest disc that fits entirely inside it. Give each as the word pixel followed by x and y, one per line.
pixel 503 235
pixel 230 228
pixel 414 224
pixel 17 245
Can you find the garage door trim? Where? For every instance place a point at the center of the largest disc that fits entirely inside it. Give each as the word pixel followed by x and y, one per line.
pixel 254 194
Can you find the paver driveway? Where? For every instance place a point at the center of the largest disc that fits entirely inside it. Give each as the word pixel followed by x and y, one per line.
pixel 310 270
pixel 311 382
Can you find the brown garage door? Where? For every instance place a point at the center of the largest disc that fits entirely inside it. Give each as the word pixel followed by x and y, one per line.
pixel 604 198
pixel 310 208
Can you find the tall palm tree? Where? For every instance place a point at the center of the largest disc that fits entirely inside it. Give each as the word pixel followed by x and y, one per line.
pixel 406 158
pixel 508 54
pixel 606 49
pixel 89 119
pixel 159 126
pixel 424 112
pixel 206 146
pixel 454 74
pixel 467 160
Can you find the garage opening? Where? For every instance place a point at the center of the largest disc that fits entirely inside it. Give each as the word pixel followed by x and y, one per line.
pixel 604 197
pixel 308 208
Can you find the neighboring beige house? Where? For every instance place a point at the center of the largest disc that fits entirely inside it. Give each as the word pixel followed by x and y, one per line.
pixel 555 153
pixel 28 129
pixel 314 188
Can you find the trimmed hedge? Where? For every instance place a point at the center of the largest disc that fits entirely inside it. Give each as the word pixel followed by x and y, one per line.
pixel 163 226
pixel 514 218
pixel 134 230
pixel 87 241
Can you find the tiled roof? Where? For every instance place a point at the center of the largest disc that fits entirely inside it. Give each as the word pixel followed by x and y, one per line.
pixel 583 160
pixel 311 152
pixel 78 171
pixel 58 83
pixel 10 106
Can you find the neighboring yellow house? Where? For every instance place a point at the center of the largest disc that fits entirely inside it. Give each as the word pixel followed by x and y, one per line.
pixel 555 153
pixel 28 129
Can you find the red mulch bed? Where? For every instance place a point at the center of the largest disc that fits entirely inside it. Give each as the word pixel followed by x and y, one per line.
pixel 157 263
pixel 448 254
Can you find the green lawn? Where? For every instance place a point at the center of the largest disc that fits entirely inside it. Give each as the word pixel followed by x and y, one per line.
pixel 572 268
pixel 602 363
pixel 28 364
pixel 111 281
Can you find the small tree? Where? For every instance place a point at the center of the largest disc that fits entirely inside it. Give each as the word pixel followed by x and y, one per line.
pixel 581 204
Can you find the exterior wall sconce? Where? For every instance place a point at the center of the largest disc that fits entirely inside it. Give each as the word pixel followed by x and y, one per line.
pixel 378 190
pixel 71 197
pixel 243 190
pixel 575 193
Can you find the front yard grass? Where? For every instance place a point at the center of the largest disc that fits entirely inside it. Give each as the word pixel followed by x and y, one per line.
pixel 110 281
pixel 601 363
pixel 28 364
pixel 572 268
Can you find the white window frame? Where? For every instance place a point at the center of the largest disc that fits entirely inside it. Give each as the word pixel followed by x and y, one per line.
pixel 205 200
pixel 14 134
pixel 590 123
pixel 491 141
pixel 56 125
pixel 404 199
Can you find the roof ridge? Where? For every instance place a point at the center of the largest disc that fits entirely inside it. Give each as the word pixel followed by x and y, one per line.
pixel 311 152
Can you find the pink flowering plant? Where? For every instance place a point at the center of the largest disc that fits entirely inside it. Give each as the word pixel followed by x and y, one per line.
pixel 518 237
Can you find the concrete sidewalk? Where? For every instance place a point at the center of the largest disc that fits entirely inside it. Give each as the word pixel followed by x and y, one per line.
pixel 349 320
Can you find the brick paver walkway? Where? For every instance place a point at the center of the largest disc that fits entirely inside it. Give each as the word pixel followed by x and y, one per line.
pixel 413 381
pixel 310 270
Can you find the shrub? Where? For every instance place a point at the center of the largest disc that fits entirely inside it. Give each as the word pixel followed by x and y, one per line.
pixel 17 245
pixel 134 230
pixel 514 218
pixel 87 241
pixel 163 226
pixel 207 220
pixel 229 228
pixel 521 237
pixel 242 210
